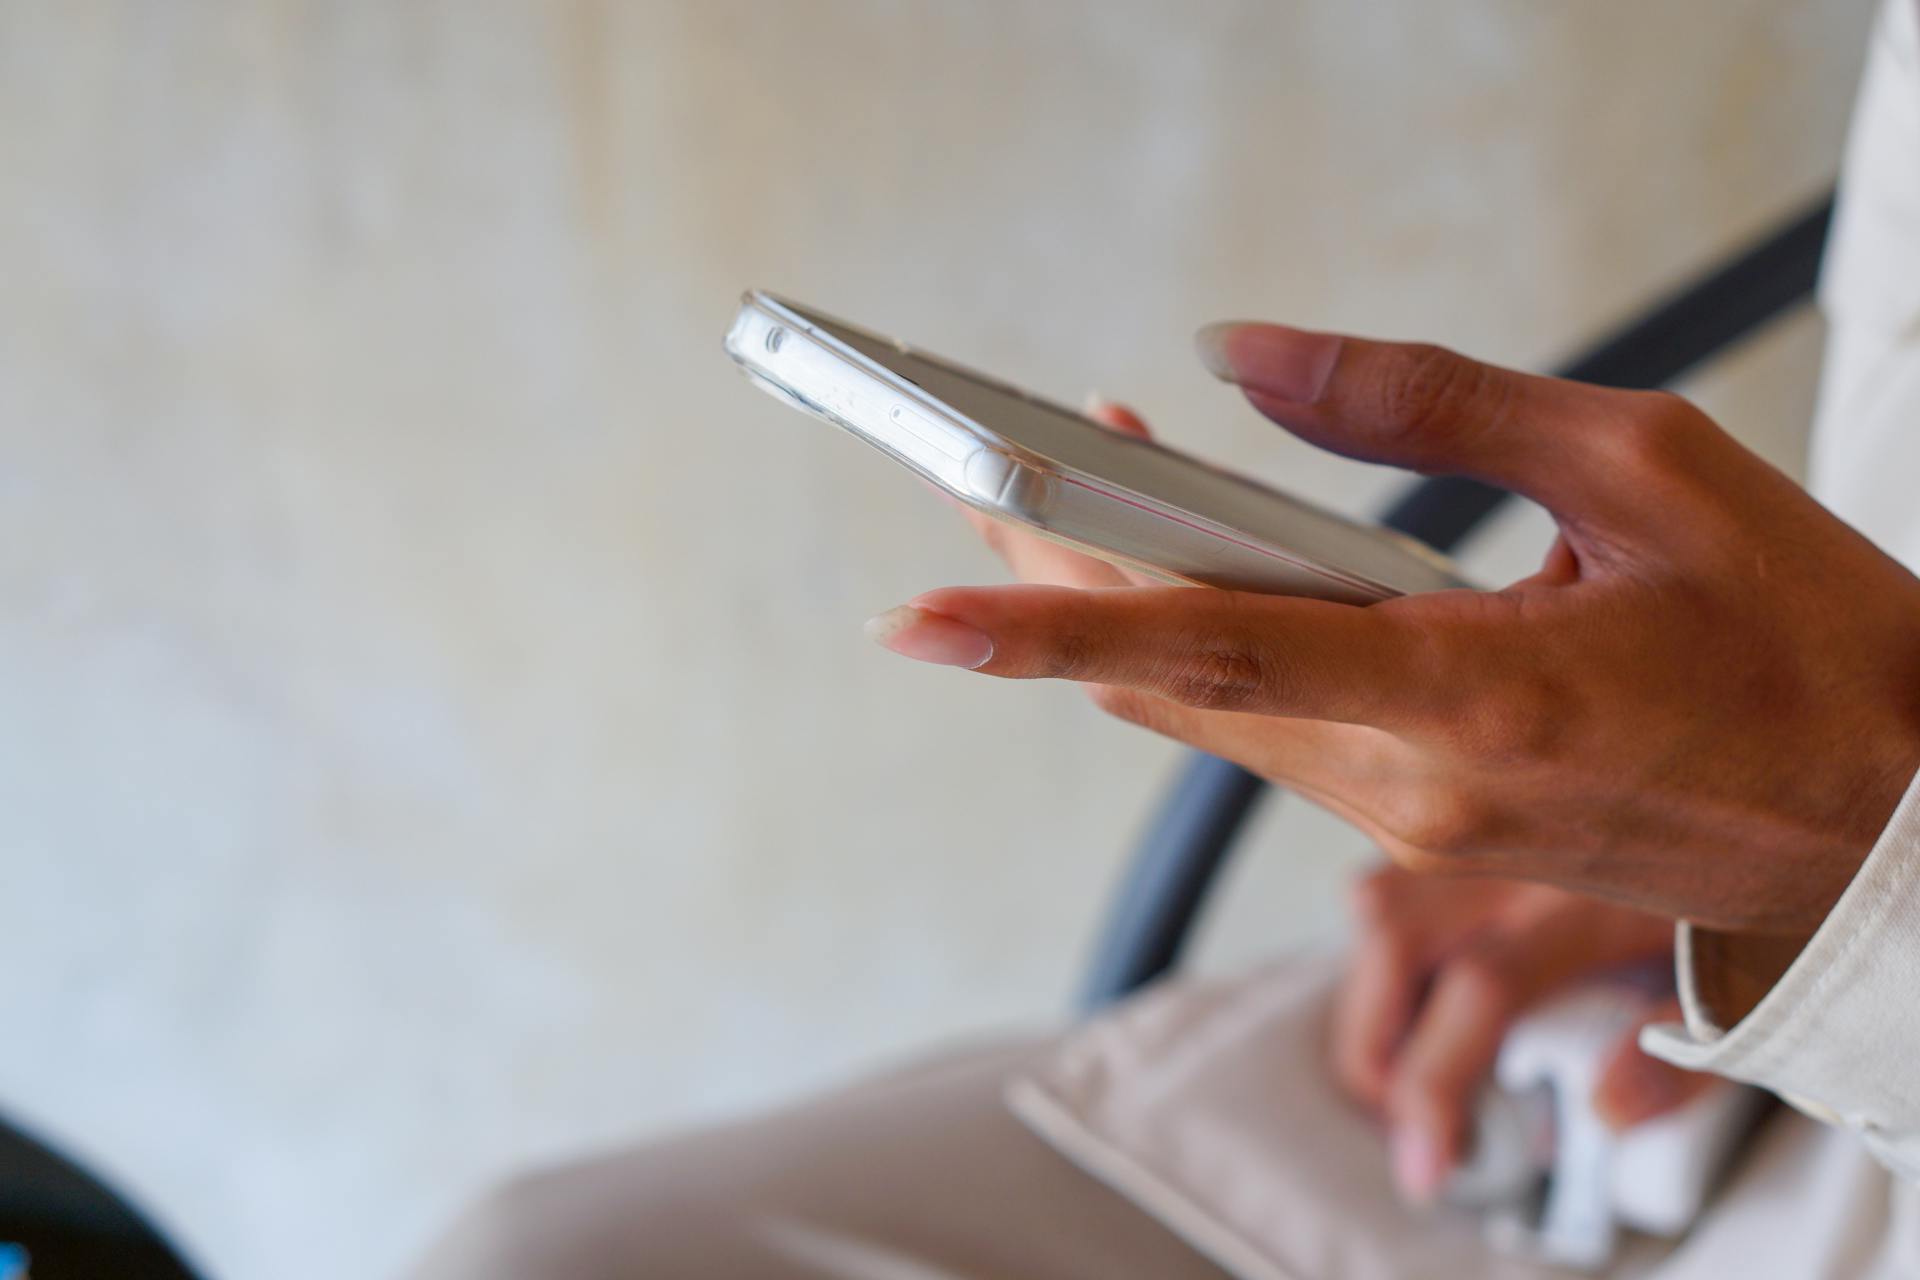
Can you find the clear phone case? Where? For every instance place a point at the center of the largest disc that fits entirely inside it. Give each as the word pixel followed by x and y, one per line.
pixel 1020 458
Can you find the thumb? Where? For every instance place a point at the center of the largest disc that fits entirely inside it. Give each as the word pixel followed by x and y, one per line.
pixel 1635 1086
pixel 1574 448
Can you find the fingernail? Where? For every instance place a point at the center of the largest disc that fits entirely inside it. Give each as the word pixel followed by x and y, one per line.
pixel 1291 364
pixel 1210 344
pixel 1096 406
pixel 1417 1167
pixel 930 637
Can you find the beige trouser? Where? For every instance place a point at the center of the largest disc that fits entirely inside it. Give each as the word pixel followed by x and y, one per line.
pixel 920 1175
pixel 1213 1089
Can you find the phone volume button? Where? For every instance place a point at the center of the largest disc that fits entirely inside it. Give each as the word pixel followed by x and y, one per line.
pixel 987 474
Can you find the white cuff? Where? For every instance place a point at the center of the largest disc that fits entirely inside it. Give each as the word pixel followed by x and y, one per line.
pixel 1839 1033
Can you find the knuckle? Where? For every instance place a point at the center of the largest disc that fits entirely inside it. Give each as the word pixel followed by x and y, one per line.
pixel 1429 387
pixel 1225 667
pixel 1219 676
pixel 1655 435
pixel 1446 825
pixel 1070 653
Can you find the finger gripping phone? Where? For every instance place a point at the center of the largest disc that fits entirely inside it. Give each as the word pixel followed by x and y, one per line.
pixel 1019 458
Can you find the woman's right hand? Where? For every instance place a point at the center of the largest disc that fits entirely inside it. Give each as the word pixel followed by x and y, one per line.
pixel 1441 969
pixel 1706 703
pixel 1442 966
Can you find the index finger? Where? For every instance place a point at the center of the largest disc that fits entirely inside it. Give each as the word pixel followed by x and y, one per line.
pixel 1206 648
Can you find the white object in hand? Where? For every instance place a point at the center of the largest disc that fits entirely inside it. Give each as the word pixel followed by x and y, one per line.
pixel 1557 1184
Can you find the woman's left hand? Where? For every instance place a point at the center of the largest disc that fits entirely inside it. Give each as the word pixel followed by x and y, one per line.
pixel 1440 969
pixel 1706 703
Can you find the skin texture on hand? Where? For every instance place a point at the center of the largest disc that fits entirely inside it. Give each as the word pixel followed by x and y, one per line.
pixel 1705 704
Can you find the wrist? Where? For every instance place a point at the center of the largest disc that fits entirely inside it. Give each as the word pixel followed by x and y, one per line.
pixel 1733 968
pixel 1849 793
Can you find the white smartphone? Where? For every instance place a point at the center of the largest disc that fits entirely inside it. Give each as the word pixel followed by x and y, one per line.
pixel 1020 458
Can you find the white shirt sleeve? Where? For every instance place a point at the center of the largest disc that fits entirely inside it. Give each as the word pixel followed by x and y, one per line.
pixel 1866 446
pixel 1839 1034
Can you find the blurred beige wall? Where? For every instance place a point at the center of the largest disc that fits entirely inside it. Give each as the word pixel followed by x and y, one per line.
pixel 435 730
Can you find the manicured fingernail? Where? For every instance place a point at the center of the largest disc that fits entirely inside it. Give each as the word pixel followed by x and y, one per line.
pixel 930 637
pixel 1291 364
pixel 1418 1169
pixel 1210 344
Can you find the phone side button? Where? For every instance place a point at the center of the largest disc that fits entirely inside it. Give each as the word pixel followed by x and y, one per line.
pixel 987 474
